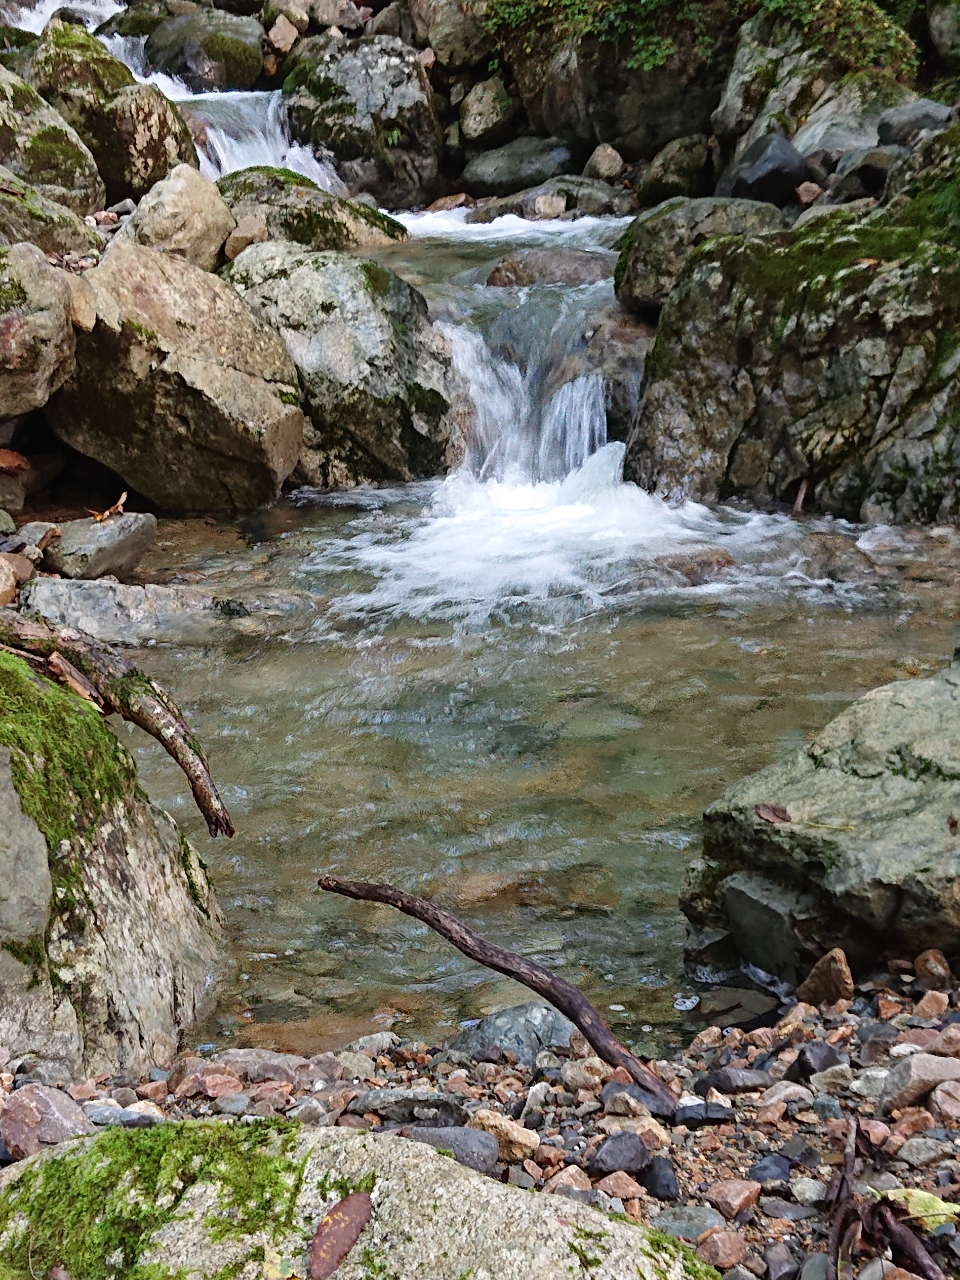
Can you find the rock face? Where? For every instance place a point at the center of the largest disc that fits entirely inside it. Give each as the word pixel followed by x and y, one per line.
pixel 180 387
pixel 291 207
pixel 134 134
pixel 25 215
pixel 109 929
pixel 454 30
pixel 39 147
pixel 210 1221
pixel 525 162
pixel 660 241
pixel 867 860
pixel 36 336
pixel 383 400
pixel 184 215
pixel 371 103
pixel 209 49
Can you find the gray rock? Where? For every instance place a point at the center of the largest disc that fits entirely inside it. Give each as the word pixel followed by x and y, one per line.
pixel 409 1105
pixel 119 1117
pixel 570 196
pixel 120 614
pixel 808 1191
pixel 385 402
pixel 605 163
pixel 769 169
pixel 815 1267
pixel 25 882
pixel 474 1148
pixel 356 1066
pixel 209 49
pixel 343 14
pixel 375 1044
pixel 26 215
pixel 183 215
pixel 943 18
pixel 844 118
pixel 36 1117
pixel 900 125
pixel 7 523
pixel 523 163
pixel 733 1080
pixel 37 354
pixel 552 266
pixel 863 173
pixel 524 1030
pixel 832 1080
pixel 454 30
pixel 486 112
pixel 687 1222
pixel 774 1207
pixel 255 1065
pixel 680 169
pixel 90 549
pixel 621 1151
pixel 235 1104
pixel 920 1151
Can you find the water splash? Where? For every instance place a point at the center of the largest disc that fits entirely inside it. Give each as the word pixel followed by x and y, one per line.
pixel 35 17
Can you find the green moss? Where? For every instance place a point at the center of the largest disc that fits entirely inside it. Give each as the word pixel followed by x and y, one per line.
pixel 12 292
pixel 242 63
pixel 379 279
pixel 93 1210
pixel 259 180
pixel 658 1245
pixel 289 397
pixel 53 153
pixel 342 1187
pixel 188 860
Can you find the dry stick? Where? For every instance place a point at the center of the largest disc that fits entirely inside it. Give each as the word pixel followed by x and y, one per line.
pixel 124 689
pixel 560 993
pixel 904 1242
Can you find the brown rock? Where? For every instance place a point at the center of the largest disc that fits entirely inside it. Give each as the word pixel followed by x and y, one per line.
pixel 620 1185
pixel 8 584
pixel 829 980
pixel 84 1091
pixel 733 1196
pixel 913 1120
pixel 249 230
pixel 154 1091
pixel 932 965
pixel 272 1093
pixel 549 1157
pixel 772 1114
pixel 23 568
pixel 283 35
pixel 933 1005
pixel 515 1141
pixel 723 1249
pixel 945 1104
pixel 186 1066
pixel 947 1042
pixel 37 1116
pixel 570 1176
pixel 877 1132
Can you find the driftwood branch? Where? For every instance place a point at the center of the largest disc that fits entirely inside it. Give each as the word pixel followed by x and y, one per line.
pixel 117 686
pixel 561 994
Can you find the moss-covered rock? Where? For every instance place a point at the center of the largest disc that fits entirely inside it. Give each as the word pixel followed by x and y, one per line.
pixel 208 1201
pixel 112 948
pixel 41 148
pixel 292 207
pixel 13 42
pixel 26 216
pixel 209 49
pixel 137 19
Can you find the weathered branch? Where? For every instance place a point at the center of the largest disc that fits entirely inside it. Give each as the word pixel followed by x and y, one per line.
pixel 116 685
pixel 560 993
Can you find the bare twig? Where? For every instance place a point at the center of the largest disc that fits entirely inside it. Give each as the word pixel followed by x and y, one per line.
pixel 907 1249
pixel 560 993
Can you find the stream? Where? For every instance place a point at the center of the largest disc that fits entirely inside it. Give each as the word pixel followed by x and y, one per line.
pixel 513 690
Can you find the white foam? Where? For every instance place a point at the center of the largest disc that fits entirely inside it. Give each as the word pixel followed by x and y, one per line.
pixel 35 18
pixel 451 224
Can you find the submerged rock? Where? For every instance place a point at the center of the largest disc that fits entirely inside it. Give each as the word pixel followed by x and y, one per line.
pixel 383 400
pixel 552 266
pixel 208 49
pixel 26 215
pixel 180 388
pixel 36 335
pixel 110 933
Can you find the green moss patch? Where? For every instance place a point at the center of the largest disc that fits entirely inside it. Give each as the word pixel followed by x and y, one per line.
pixel 259 181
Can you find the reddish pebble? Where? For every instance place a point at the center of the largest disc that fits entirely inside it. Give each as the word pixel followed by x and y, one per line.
pixel 723 1249
pixel 733 1196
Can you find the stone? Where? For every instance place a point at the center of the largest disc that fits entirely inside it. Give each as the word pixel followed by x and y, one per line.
pixel 454 30
pixel 570 195
pixel 808 1191
pixel 733 1080
pixel 523 163
pixel 680 169
pixel 37 340
pixel 249 230
pixel 183 215
pixel 814 1057
pixel 723 1249
pixel 920 1151
pixel 526 267
pixel 687 1222
pixel 370 102
pixel 828 981
pixel 516 1142
pixel 781 1264
pixel 384 400
pixel 39 147
pixel 914 1077
pixel 944 1104
pixel 870 1083
pixel 863 173
pixel 605 163
pixel 283 35
pixel 584 1073
pixel 770 1169
pixel 659 242
pixel 933 1005
pixel 570 1178
pixel 486 112
pixel 733 1196
pixel 291 207
pixel 770 169
pixel 7 523
pixel 659 1179
pixel 478 1222
pixel 899 125
pixel 409 1105
pixel 8 584
pixel 181 388
pixel 90 549
pixel 36 1116
pixel 83 302
pixel 832 1080
pixel 786 1091
pixel 208 49
pixel 22 568
pixel 622 1151
pixel 944 25
pixel 475 1148
pixel 26 215
pixel 932 966
pixel 774 1207
pixel 620 1185
pixel 236 1104
pixel 645 1103
pixel 356 1066
pixel 135 134
pixel 343 14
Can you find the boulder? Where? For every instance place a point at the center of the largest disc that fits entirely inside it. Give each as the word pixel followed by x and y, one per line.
pixel 769 169
pixel 570 195
pixel 845 117
pixel 660 241
pixel 180 387
pixel 383 400
pixel 552 266
pixel 605 163
pixel 773 74
pixel 291 207
pixel 38 146
pixel 866 861
pixel 899 126
pixel 943 18
pixel 680 169
pixel 139 18
pixel 136 136
pixel 37 1117
pixel 861 174
pixel 91 548
pixel 371 103
pixel 208 49
pixel 36 335
pixel 184 215
pixel 454 30
pixel 523 163
pixel 26 215
pixel 179 1197
pixel 523 1030
pixel 110 941
pixel 486 112
pixel 475 1148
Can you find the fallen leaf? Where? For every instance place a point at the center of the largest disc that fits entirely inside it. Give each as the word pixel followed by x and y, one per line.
pixel 115 510
pixel 276 1266
pixel 10 460
pixel 952 824
pixel 337 1233
pixel 868 262
pixel 928 1209
pixel 772 813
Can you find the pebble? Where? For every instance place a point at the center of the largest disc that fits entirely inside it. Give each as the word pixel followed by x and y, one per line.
pixel 808 1191
pixel 621 1151
pixel 688 1222
pixel 723 1249
pixel 774 1207
pixel 514 1140
pixel 733 1196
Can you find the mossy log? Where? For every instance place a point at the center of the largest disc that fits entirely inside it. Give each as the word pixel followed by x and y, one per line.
pixel 117 686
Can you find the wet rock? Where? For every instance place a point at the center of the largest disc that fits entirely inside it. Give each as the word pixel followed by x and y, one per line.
pixel 770 169
pixel 900 125
pixel 622 1151
pixel 658 243
pixel 409 1105
pixel 688 1222
pixel 384 400
pixel 208 50
pixel 184 215
pixel 88 549
pixel 38 146
pixel 605 163
pixel 828 981
pixel 526 267
pixel 570 196
pixel 25 215
pixel 121 614
pixel 291 207
pixel 371 103
pixel 36 1117
pixel 486 112
pixel 680 169
pixel 515 1141
pixel 475 1148
pixel 524 1030
pixel 521 164
pixel 181 388
pixel 454 30
pixel 37 346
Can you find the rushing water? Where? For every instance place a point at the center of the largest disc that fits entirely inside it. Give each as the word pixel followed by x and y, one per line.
pixel 513 690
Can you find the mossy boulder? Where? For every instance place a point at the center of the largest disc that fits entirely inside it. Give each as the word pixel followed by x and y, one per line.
pixel 41 148
pixel 109 943
pixel 369 101
pixel 383 399
pixel 209 49
pixel 36 334
pixel 682 168
pixel 137 19
pixel 292 207
pixel 25 215
pixel 206 1200
pixel 13 41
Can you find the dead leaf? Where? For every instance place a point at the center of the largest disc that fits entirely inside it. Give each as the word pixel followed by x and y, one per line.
pixel 10 460
pixel 338 1233
pixel 115 510
pixel 868 262
pixel 952 824
pixel 775 813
